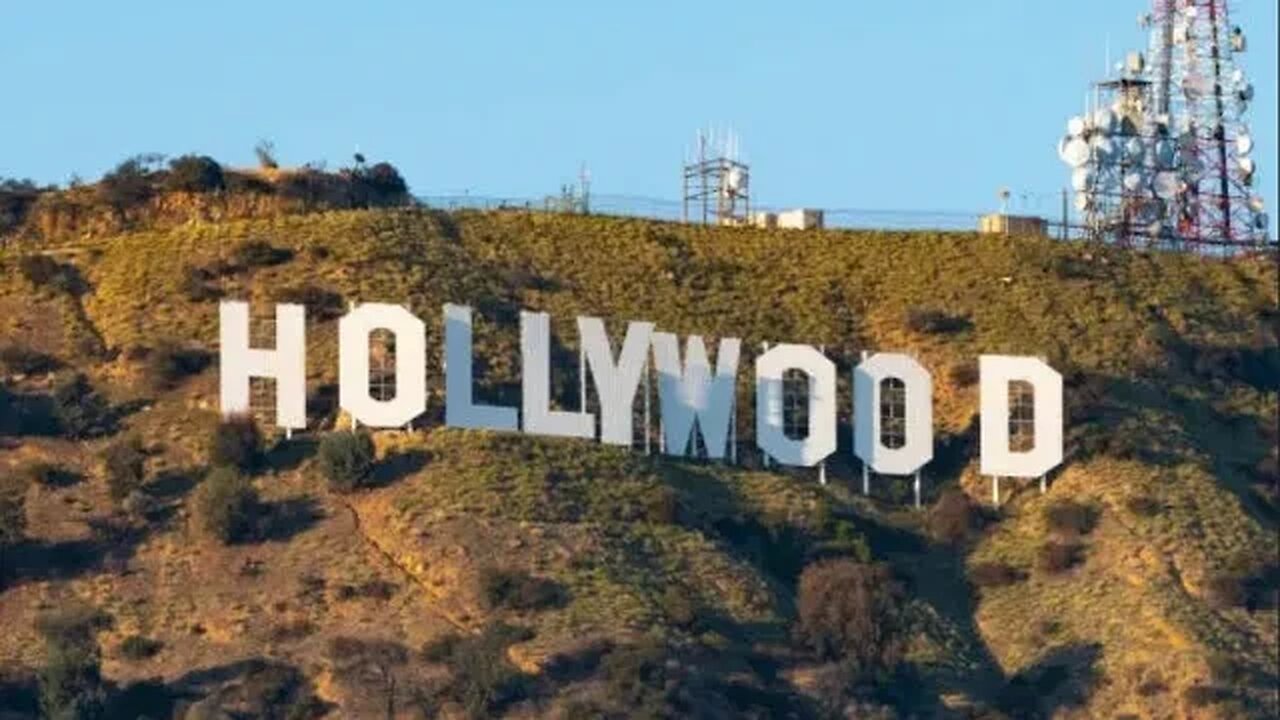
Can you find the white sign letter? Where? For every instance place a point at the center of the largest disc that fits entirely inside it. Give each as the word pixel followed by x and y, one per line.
pixel 287 363
pixel 615 383
pixel 917 409
pixel 353 365
pixel 688 392
pixel 770 436
pixel 535 354
pixel 459 410
pixel 997 372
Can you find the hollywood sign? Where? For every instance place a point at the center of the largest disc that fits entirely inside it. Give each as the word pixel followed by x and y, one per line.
pixel 693 395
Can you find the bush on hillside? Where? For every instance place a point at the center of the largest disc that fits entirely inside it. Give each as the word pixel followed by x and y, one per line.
pixel 137 647
pixel 130 184
pixel 124 464
pixel 236 443
pixel 1055 556
pixel 17 197
pixel 17 359
pixel 44 271
pixel 955 517
pixel 260 253
pixel 1069 518
pixel 346 460
pixel 79 411
pixel 1225 590
pixel 929 321
pixel 517 590
pixel 1143 506
pixel 227 506
pixel 13 517
pixel 852 612
pixel 194 174
pixel 71 684
pixel 168 364
pixel 197 285
pixel 482 679
pixel 964 374
pixel 321 304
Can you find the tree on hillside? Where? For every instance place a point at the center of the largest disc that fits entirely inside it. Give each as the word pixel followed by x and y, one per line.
pixel 346 459
pixel 852 612
pixel 227 505
pixel 194 174
pixel 130 183
pixel 78 409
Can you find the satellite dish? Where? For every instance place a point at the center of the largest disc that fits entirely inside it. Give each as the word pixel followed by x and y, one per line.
pixel 1257 204
pixel 734 181
pixel 1190 11
pixel 1075 126
pixel 1076 152
pixel 1237 76
pixel 1244 143
pixel 1083 201
pixel 1260 221
pixel 1081 177
pixel 1246 93
pixel 1155 229
pixel 1166 185
pixel 1246 166
pixel 1133 181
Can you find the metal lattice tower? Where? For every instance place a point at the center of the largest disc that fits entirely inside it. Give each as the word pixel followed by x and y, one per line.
pixel 717 181
pixel 1162 158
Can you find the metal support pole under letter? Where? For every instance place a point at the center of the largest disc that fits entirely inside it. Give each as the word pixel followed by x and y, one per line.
pixel 866 471
pixel 764 456
pixel 995 490
pixel 646 406
pixel 916 489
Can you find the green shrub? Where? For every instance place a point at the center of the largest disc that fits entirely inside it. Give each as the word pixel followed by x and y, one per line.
pixel 124 464
pixel 71 685
pixel 516 590
pixel 259 253
pixel 13 517
pixel 936 322
pixel 136 647
pixel 852 612
pixel 194 174
pixel 131 183
pixel 41 270
pixel 1069 518
pixel 482 680
pixel 236 443
pixel 679 606
pixel 346 460
pixel 227 506
pixel 321 304
pixel 17 197
pixel 79 411
pixel 1056 556
pixel 198 285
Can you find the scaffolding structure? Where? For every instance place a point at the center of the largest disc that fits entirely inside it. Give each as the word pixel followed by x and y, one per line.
pixel 1161 156
pixel 716 184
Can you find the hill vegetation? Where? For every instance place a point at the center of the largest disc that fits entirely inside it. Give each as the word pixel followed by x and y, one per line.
pixel 457 573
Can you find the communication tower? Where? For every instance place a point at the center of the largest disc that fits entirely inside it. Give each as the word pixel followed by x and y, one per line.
pixel 1161 156
pixel 716 183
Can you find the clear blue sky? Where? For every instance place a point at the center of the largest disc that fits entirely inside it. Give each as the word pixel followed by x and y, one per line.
pixel 915 104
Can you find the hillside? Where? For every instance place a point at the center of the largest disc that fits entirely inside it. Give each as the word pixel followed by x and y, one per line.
pixel 684 569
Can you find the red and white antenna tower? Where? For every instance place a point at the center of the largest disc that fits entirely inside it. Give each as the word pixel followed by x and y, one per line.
pixel 1166 158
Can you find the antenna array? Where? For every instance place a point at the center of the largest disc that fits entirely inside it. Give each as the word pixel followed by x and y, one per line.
pixel 1161 155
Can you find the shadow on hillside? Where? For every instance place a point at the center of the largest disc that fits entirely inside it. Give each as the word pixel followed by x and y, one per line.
pixel 399 466
pixel 255 687
pixel 288 455
pixel 1064 678
pixel 281 520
